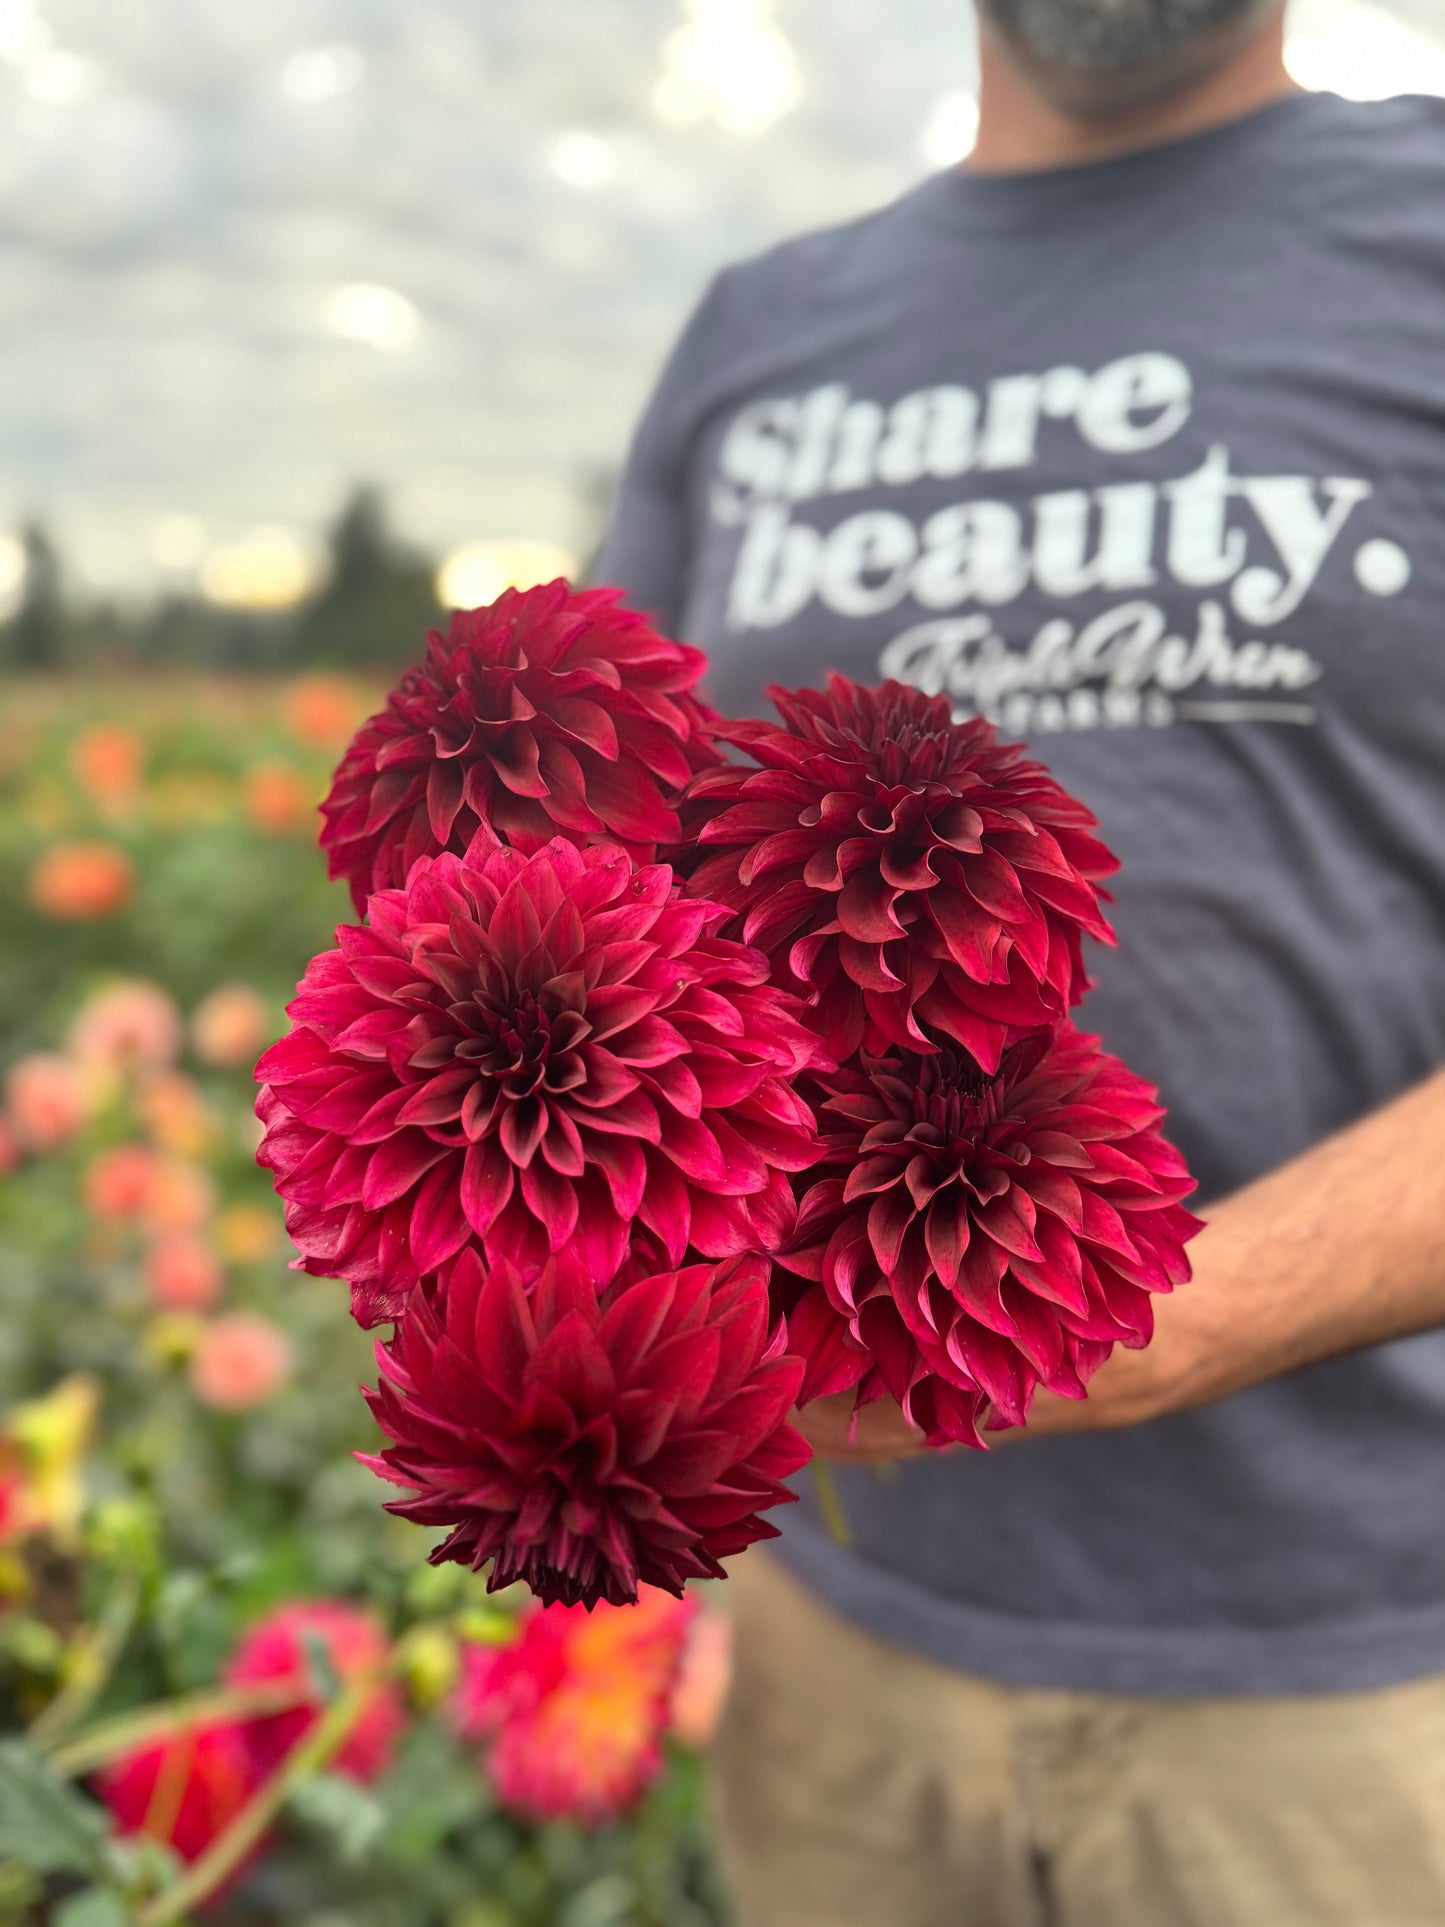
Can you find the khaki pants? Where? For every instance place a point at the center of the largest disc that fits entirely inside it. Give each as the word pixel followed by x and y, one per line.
pixel 857 1783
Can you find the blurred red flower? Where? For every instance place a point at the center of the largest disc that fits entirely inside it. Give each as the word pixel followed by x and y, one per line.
pixel 185 1789
pixel 280 1648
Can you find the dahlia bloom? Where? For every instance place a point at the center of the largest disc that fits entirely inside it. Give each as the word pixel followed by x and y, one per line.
pixel 182 1273
pixel 119 1181
pixel 126 1027
pixel 587 1443
pixel 108 760
pixel 82 882
pixel 572 1712
pixel 242 1361
pixel 185 1789
pixel 230 1025
pixel 46 1099
pixel 914 877
pixel 964 1238
pixel 354 1644
pixel 550 713
pixel 524 1053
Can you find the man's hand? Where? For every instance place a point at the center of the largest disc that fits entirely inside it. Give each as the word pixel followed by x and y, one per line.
pixel 1342 1248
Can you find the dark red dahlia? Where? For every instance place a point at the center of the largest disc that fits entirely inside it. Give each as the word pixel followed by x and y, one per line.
pixel 590 1443
pixel 552 712
pixel 911 875
pixel 965 1238
pixel 527 1053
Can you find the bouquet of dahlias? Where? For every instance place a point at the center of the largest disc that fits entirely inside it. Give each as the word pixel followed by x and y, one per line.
pixel 656 1093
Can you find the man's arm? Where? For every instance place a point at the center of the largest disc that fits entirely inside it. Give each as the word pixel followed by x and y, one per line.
pixel 1341 1248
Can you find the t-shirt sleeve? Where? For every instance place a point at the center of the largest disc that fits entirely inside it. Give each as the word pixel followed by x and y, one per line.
pixel 646 550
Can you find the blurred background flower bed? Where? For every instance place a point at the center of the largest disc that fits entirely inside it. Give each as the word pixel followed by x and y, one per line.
pixel 232 1688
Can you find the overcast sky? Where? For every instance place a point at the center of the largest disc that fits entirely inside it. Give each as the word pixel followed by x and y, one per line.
pixel 251 253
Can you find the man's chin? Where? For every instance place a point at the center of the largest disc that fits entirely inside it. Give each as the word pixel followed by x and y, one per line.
pixel 1099 91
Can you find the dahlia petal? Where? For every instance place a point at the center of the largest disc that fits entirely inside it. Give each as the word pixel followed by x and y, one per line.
pixel 395 1166
pixel 551 1200
pixel 487 1180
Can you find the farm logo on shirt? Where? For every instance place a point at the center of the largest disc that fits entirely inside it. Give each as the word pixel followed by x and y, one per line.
pixel 1252 546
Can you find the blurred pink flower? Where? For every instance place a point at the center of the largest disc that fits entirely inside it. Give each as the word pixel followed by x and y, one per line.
pixel 354 1643
pixel 12 1151
pixel 182 1273
pixel 125 1027
pixel 230 1025
pixel 119 1183
pixel 572 1712
pixel 242 1361
pixel 702 1684
pixel 45 1098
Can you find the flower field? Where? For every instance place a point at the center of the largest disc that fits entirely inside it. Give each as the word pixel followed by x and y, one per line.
pixel 232 1688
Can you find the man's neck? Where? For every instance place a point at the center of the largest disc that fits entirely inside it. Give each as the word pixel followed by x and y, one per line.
pixel 1020 130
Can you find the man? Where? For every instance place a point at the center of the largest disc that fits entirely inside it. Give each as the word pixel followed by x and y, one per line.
pixel 1131 435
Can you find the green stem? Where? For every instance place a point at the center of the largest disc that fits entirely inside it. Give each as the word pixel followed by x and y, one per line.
pixel 227 1851
pixel 95 1652
pixel 830 1505
pixel 124 1731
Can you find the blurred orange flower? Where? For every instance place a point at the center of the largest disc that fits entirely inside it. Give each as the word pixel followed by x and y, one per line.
pixel 182 1197
pixel 45 1098
pixel 230 1025
pixel 81 882
pixel 175 1114
pixel 127 1026
pixel 119 1183
pixel 182 1273
pixel 278 798
pixel 109 761
pixel 322 711
pixel 242 1361
pixel 247 1234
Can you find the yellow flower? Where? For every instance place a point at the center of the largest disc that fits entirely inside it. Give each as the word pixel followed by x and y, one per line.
pixel 430 1663
pixel 42 1449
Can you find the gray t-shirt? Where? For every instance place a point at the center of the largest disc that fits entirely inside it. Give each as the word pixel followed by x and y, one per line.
pixel 1146 461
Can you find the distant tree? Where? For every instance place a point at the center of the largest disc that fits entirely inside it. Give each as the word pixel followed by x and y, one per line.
pixel 378 601
pixel 35 636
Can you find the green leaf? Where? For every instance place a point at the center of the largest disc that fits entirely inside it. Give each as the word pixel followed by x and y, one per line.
pixel 345 1813
pixel 93 1908
pixel 44 1823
